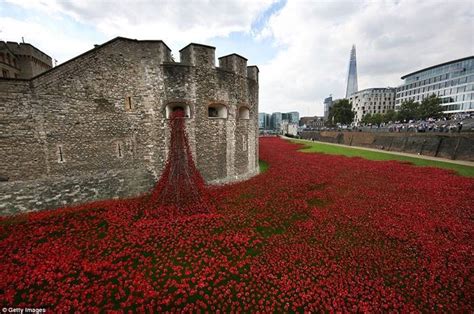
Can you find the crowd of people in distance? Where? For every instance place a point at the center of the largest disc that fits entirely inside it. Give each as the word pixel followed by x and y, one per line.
pixel 455 123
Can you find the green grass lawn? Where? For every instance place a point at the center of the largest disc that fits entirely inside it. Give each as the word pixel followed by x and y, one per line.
pixel 316 147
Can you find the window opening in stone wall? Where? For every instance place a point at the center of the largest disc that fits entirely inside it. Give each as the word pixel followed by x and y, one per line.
pixel 128 103
pixel 177 106
pixel 212 112
pixel 217 111
pixel 60 154
pixel 5 73
pixel 119 150
pixel 244 113
pixel 130 146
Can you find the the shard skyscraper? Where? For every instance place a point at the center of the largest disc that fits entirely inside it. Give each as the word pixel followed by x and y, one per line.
pixel 352 74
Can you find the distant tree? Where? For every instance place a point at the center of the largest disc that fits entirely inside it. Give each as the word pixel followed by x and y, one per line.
pixel 377 118
pixel 430 107
pixel 366 119
pixel 390 115
pixel 341 112
pixel 408 110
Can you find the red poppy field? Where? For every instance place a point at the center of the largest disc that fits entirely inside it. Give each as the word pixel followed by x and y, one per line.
pixel 313 232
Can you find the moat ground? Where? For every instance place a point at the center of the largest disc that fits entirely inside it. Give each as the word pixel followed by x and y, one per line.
pixel 464 168
pixel 313 232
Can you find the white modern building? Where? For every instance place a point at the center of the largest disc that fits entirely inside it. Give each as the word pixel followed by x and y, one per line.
pixel 289 128
pixel 372 100
pixel 451 81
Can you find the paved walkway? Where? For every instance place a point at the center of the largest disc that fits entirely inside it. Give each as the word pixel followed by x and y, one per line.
pixel 459 162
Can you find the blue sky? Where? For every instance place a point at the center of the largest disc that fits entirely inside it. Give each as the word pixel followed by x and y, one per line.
pixel 301 46
pixel 257 52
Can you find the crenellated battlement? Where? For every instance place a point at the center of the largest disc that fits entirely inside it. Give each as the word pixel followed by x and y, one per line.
pixel 198 55
pixel 26 49
pixel 234 63
pixel 97 125
pixel 252 72
pixel 203 56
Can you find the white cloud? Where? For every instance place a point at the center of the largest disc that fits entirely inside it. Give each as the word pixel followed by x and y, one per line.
pixel 53 41
pixel 176 21
pixel 392 38
pixel 312 38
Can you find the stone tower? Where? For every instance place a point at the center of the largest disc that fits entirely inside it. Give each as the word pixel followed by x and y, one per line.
pixel 96 126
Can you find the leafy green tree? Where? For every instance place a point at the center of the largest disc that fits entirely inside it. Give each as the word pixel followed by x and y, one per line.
pixel 408 110
pixel 366 119
pixel 390 115
pixel 377 118
pixel 341 112
pixel 430 107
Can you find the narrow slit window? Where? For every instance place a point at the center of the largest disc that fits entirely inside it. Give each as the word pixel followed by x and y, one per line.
pixel 128 103
pixel 60 154
pixel 119 150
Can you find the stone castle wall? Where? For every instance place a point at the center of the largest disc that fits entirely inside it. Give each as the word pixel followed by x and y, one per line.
pixel 450 146
pixel 96 126
pixel 30 61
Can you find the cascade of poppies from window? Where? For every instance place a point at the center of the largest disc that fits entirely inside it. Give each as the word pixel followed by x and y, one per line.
pixel 181 188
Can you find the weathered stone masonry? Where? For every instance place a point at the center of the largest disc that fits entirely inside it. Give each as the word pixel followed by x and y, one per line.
pixel 96 126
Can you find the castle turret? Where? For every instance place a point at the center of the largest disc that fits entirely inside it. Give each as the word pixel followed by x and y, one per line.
pixel 198 55
pixel 31 60
pixel 234 63
pixel 252 72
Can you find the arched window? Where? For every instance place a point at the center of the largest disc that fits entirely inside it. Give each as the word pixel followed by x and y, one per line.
pixel 177 106
pixel 244 113
pixel 217 111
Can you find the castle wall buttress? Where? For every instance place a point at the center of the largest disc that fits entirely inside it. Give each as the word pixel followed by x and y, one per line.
pixel 96 127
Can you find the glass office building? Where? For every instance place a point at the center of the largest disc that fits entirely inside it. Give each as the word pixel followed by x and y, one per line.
pixel 264 120
pixel 452 81
pixel 261 120
pixel 327 105
pixel 352 74
pixel 291 117
pixel 276 120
